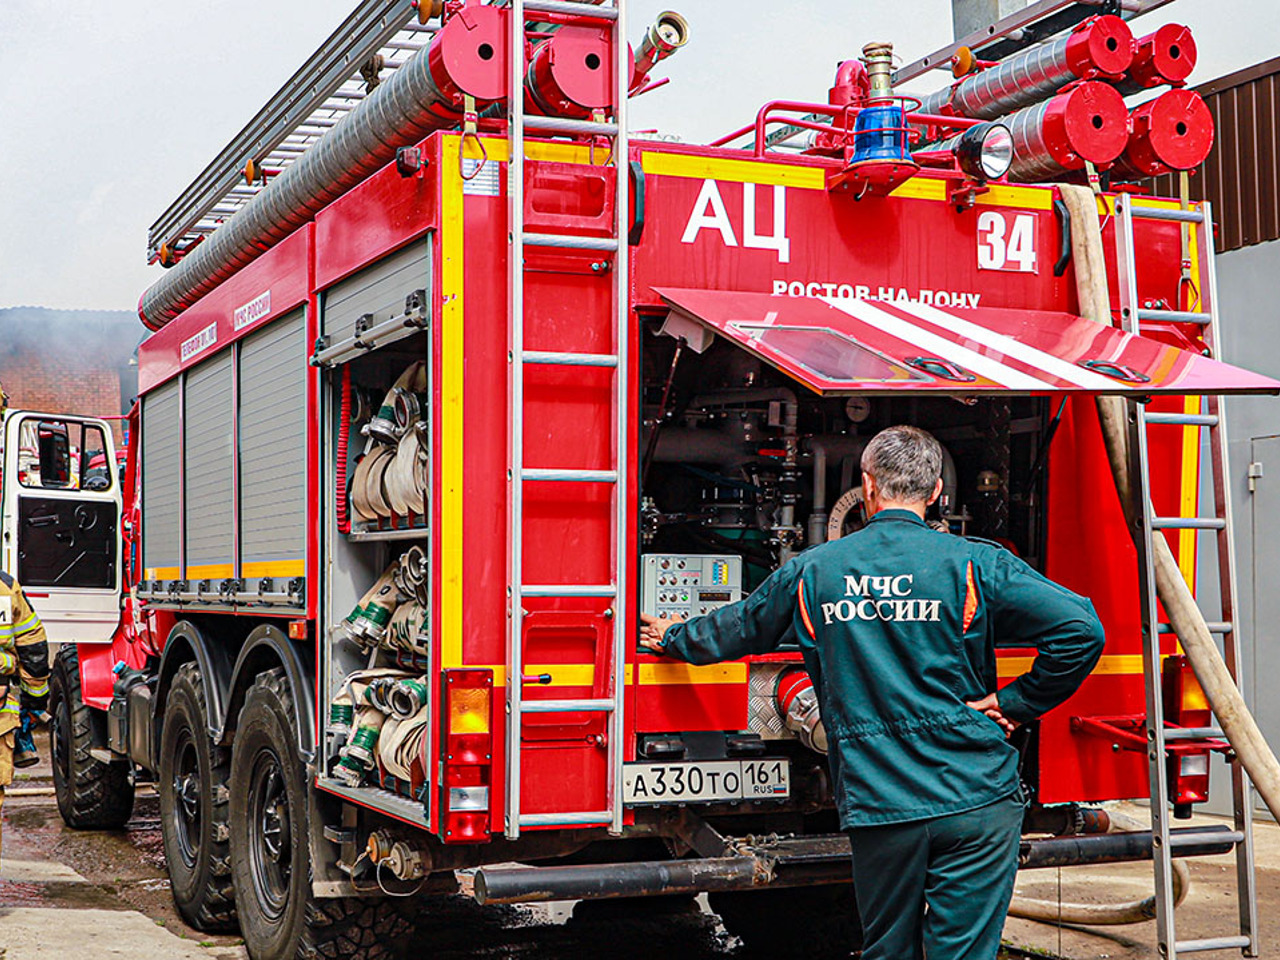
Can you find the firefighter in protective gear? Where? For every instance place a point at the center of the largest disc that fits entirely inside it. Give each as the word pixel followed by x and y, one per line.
pixel 898 624
pixel 24 670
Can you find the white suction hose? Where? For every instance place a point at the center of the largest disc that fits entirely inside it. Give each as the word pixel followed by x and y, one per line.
pixel 1103 914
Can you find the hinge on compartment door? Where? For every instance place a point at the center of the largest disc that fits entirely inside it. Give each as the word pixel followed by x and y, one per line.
pixel 1255 474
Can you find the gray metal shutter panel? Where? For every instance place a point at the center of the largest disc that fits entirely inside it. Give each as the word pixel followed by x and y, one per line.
pixel 273 443
pixel 209 451
pixel 160 477
pixel 378 290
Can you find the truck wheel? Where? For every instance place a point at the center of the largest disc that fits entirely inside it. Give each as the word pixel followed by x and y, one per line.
pixel 821 922
pixel 193 808
pixel 270 853
pixel 92 795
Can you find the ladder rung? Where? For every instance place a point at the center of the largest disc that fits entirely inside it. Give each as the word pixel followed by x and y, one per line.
pixel 567 706
pixel 568 125
pixel 553 359
pixel 567 590
pixel 594 818
pixel 1196 838
pixel 1184 419
pixel 1188 523
pixel 570 476
pixel 1211 943
pixel 1175 316
pixel 571 242
pixel 1163 213
pixel 1194 733
pixel 1215 626
pixel 571 9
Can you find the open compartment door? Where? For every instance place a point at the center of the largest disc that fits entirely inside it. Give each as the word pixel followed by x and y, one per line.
pixel 843 346
pixel 61 522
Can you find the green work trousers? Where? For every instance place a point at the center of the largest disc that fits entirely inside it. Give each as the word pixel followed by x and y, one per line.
pixel 938 888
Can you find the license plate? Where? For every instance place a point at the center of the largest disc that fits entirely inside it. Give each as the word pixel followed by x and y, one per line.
pixel 707 781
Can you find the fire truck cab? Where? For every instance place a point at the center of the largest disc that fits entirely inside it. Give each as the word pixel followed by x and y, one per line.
pixel 472 378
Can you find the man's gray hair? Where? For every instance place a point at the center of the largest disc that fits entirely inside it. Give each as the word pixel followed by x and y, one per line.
pixel 906 463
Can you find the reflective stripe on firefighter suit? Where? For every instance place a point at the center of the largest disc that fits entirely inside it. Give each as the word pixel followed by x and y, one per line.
pixel 898 625
pixel 24 668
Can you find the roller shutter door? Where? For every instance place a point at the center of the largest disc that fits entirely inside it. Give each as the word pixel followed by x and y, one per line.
pixel 209 452
pixel 378 290
pixel 160 478
pixel 273 436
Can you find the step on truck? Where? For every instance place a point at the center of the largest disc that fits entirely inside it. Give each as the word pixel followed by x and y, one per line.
pixel 452 377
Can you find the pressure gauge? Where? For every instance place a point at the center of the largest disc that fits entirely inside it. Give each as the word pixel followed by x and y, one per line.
pixel 857 409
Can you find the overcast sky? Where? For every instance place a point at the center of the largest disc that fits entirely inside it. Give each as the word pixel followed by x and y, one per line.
pixel 111 109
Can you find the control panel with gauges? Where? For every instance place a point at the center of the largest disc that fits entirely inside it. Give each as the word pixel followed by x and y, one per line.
pixel 682 585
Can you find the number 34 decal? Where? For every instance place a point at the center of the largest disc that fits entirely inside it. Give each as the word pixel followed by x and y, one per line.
pixel 1007 241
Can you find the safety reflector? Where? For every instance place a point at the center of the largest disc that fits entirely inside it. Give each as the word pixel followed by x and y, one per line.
pixel 838 345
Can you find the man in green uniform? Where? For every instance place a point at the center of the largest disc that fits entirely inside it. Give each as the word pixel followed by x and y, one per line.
pixel 24 670
pixel 898 625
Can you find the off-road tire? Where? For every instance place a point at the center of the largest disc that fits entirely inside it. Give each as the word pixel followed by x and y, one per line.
pixel 92 795
pixel 194 808
pixel 270 811
pixel 817 923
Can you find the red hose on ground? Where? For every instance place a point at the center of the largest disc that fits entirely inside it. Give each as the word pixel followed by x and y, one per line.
pixel 344 428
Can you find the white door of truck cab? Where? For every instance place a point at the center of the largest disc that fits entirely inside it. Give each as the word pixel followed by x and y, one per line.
pixel 60 521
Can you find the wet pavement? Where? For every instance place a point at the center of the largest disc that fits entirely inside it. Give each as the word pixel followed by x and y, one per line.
pixel 84 895
pixel 70 895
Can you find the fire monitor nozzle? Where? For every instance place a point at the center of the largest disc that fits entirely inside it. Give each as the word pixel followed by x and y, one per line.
pixel 665 36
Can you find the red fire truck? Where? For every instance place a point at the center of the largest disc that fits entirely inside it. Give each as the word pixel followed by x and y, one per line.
pixel 451 379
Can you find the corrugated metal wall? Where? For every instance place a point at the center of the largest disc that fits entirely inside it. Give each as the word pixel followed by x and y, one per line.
pixel 1241 178
pixel 209 451
pixel 378 290
pixel 273 438
pixel 160 478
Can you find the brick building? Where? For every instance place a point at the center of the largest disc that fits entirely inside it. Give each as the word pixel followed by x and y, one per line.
pixel 69 361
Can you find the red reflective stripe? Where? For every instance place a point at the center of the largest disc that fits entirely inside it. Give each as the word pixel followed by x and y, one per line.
pixel 804 612
pixel 970 597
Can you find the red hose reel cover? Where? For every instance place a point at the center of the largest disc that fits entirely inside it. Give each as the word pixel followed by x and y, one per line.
pixel 1101 46
pixel 1088 122
pixel 472 49
pixel 1172 132
pixel 570 74
pixel 1165 57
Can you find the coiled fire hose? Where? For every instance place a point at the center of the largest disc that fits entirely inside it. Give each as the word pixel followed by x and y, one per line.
pixel 366 623
pixel 1186 618
pixel 382 426
pixel 408 624
pixel 387 712
pixel 1103 914
pixel 391 477
pixel 413 575
pixel 369 622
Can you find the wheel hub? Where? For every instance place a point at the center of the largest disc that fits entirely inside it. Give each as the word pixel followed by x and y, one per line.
pixel 270 845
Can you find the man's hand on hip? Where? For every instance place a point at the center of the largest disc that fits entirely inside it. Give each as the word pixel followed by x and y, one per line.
pixel 990 706
pixel 653 631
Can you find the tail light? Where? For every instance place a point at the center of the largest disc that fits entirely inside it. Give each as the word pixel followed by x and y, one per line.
pixel 1185 705
pixel 467 740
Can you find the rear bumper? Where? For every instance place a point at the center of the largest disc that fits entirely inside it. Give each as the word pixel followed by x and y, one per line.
pixel 795 861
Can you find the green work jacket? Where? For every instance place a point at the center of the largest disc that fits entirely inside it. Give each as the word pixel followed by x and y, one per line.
pixel 898 625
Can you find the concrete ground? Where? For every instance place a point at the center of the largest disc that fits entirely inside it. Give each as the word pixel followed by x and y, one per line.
pixel 66 895
pixel 1208 911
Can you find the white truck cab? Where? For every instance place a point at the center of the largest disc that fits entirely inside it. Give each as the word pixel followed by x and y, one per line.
pixel 60 504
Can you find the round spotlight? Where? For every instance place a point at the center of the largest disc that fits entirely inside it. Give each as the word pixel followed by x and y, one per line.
pixel 985 151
